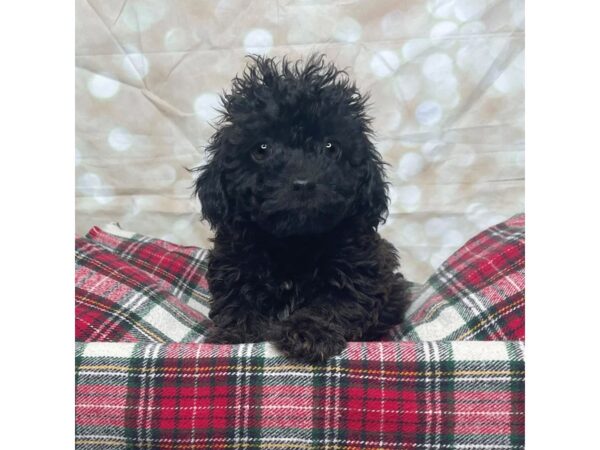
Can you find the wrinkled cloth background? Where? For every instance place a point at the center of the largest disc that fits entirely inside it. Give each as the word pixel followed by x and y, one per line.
pixel 446 84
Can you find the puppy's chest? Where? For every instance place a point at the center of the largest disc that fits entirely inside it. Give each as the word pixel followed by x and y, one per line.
pixel 295 278
pixel 289 299
pixel 292 288
pixel 290 291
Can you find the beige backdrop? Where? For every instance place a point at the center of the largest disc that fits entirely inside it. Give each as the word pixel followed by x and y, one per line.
pixel 446 81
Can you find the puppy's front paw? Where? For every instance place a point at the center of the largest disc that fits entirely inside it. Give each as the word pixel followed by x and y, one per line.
pixel 310 341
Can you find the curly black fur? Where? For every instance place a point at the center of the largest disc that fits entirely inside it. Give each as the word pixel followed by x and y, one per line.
pixel 295 191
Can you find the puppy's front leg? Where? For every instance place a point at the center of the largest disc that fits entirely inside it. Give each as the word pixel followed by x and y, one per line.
pixel 237 310
pixel 311 336
pixel 321 329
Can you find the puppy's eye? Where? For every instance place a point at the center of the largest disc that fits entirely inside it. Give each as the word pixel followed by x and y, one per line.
pixel 331 148
pixel 261 152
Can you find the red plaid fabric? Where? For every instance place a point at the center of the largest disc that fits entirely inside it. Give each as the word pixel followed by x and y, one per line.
pixel 478 293
pixel 144 379
pixel 138 289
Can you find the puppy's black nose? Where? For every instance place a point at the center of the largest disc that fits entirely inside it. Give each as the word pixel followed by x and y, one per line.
pixel 303 185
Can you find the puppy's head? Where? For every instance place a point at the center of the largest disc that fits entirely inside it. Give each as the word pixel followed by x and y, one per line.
pixel 292 152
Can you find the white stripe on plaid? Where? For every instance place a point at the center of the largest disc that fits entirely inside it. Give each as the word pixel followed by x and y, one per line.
pixel 110 349
pixel 479 350
pixel 468 350
pixel 166 323
pixel 311 408
pixel 440 326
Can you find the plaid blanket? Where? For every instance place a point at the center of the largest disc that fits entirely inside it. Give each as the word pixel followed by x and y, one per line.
pixel 451 377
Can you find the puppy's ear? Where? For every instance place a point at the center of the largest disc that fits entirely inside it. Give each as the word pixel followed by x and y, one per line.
pixel 210 190
pixel 374 204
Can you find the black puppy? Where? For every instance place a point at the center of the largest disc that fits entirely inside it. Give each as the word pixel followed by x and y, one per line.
pixel 295 191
